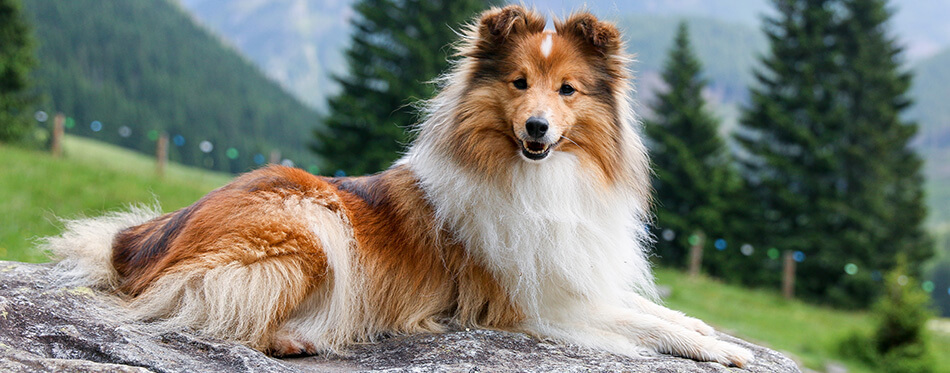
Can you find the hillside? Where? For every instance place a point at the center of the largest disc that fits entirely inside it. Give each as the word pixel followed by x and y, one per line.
pixel 727 50
pixel 93 177
pixel 931 87
pixel 126 69
pixel 298 43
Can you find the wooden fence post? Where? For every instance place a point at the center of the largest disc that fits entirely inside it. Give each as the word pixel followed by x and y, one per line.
pixel 161 154
pixel 275 156
pixel 56 142
pixel 788 275
pixel 696 253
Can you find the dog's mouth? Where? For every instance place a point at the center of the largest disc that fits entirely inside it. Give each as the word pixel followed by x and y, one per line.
pixel 534 150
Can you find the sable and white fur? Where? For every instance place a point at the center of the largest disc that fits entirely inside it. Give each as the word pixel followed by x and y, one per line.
pixel 485 222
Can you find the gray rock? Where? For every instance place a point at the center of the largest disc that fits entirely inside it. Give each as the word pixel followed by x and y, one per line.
pixel 44 327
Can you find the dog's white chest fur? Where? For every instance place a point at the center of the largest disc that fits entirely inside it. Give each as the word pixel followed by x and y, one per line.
pixel 552 235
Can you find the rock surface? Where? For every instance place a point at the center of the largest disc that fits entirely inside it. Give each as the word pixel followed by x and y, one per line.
pixel 44 327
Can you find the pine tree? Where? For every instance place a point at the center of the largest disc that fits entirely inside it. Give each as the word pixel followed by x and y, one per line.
pixel 689 157
pixel 16 60
pixel 826 151
pixel 791 140
pixel 398 46
pixel 886 172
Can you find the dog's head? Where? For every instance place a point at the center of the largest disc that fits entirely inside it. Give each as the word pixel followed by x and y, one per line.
pixel 531 92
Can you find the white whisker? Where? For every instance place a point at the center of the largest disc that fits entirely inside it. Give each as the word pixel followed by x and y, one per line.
pixel 572 141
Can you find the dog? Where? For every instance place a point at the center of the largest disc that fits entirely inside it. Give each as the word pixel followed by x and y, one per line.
pixel 521 205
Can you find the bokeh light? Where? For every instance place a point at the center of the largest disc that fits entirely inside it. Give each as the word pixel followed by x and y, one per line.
pixel 179 140
pixel 339 173
pixel 693 239
pixel 313 169
pixel 798 256
pixel 928 286
pixel 152 135
pixel 95 126
pixel 70 122
pixel 206 147
pixel 773 253
pixel 125 131
pixel 287 162
pixel 41 116
pixel 231 153
pixel 720 244
pixel 259 159
pixel 669 235
pixel 747 249
pixel 902 280
pixel 851 269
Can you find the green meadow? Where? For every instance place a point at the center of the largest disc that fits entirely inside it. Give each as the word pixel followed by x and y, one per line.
pixel 809 334
pixel 36 190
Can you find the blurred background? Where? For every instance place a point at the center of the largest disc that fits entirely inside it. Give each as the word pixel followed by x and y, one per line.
pixel 801 147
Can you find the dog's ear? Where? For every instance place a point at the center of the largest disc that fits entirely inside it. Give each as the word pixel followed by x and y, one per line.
pixel 602 36
pixel 496 26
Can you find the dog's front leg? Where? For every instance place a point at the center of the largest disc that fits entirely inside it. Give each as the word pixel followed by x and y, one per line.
pixel 644 305
pixel 668 337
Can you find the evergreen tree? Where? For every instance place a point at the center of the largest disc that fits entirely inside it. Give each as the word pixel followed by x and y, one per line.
pixel 826 152
pixel 790 138
pixel 16 60
pixel 689 157
pixel 885 174
pixel 397 47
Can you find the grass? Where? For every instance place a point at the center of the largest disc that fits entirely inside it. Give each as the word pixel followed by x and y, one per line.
pixel 92 177
pixel 807 332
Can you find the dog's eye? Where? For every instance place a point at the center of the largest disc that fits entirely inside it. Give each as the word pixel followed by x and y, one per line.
pixel 566 90
pixel 520 83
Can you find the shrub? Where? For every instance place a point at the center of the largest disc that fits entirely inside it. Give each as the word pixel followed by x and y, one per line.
pixel 899 342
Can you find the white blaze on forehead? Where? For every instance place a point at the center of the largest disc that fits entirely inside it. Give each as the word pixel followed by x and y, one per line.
pixel 546 45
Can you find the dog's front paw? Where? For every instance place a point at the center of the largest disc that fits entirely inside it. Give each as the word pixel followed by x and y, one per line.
pixel 291 344
pixel 730 354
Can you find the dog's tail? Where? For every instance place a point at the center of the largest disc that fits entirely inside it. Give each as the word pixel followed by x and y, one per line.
pixel 84 249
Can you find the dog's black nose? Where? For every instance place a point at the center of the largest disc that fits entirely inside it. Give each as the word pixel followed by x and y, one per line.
pixel 536 127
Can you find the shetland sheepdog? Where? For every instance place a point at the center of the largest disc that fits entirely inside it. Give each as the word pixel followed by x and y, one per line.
pixel 521 205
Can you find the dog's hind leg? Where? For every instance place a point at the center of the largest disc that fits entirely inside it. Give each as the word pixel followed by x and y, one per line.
pixel 243 280
pixel 332 314
pixel 243 302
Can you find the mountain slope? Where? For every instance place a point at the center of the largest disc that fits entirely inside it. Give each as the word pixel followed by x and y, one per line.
pixel 137 67
pixel 931 87
pixel 297 42
pixel 726 50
